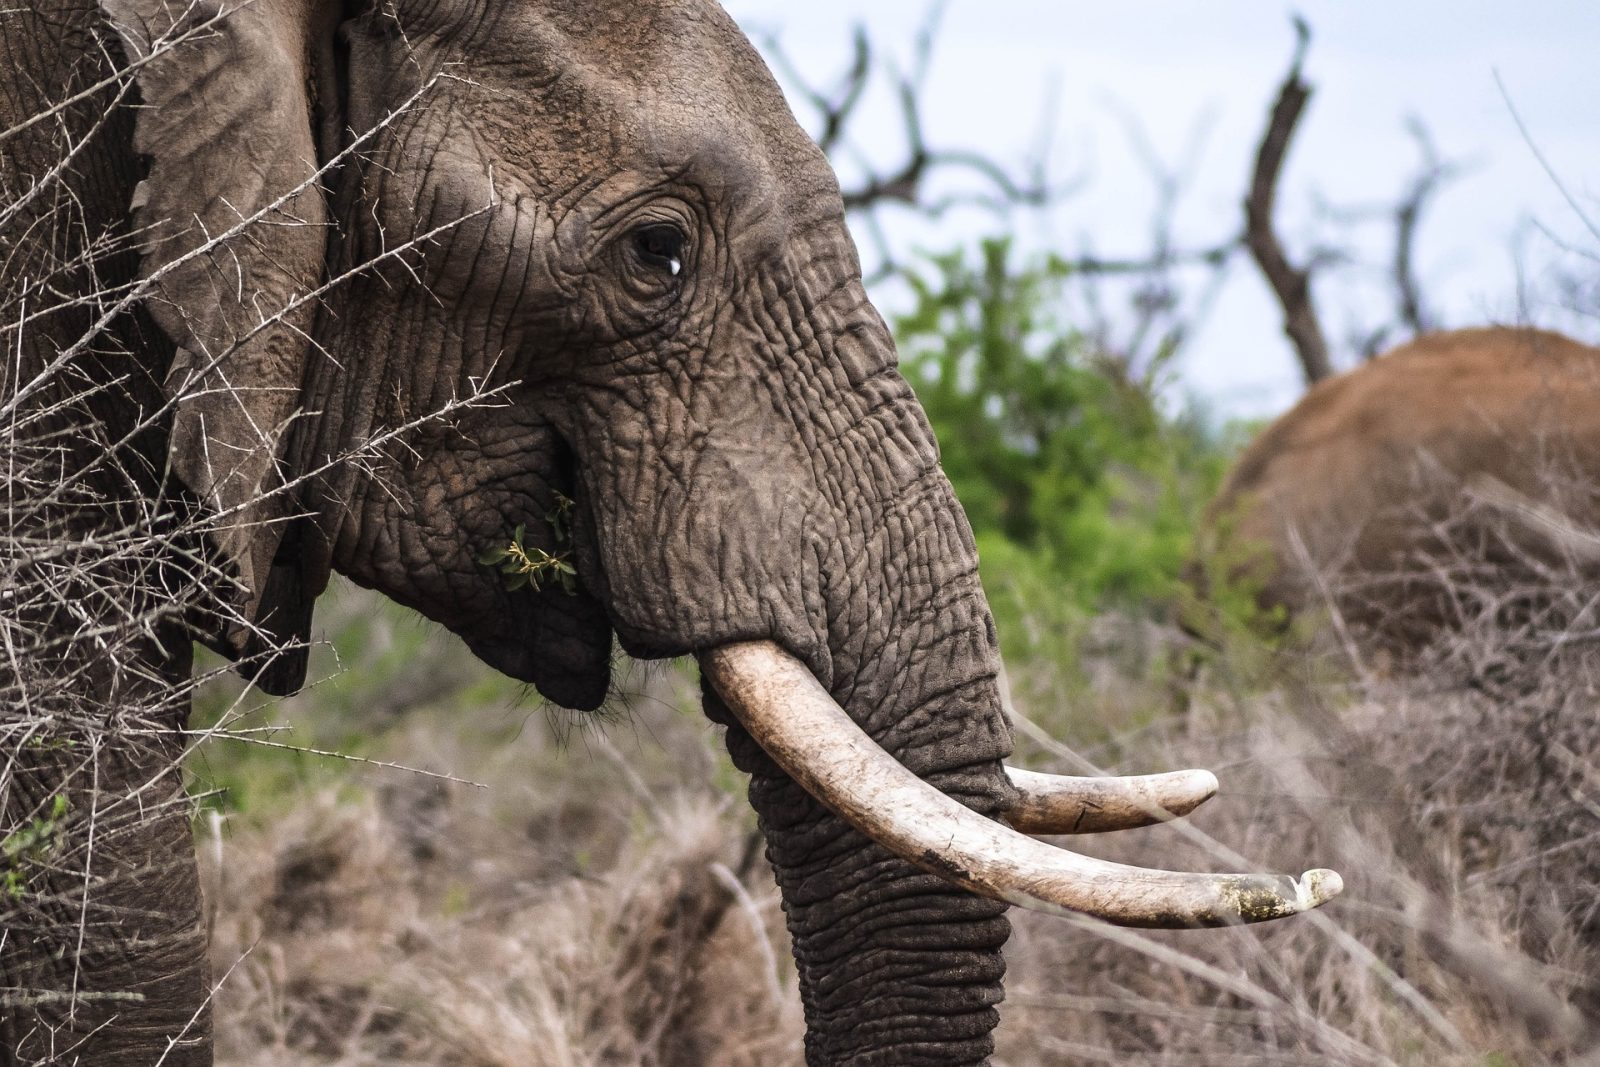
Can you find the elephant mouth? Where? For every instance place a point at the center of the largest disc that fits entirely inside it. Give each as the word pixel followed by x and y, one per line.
pixel 805 732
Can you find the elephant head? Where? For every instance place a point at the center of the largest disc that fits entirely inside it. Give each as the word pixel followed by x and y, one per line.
pixel 600 220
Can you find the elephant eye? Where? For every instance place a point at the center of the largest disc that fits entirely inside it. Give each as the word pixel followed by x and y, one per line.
pixel 660 244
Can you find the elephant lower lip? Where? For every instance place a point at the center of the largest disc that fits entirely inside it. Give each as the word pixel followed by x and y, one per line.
pixel 576 677
pixel 560 637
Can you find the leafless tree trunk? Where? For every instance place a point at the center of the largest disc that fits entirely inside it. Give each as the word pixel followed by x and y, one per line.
pixel 1291 284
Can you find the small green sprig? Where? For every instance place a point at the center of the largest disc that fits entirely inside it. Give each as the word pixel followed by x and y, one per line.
pixel 29 846
pixel 524 565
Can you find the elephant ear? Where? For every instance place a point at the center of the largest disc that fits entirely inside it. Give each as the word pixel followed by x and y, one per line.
pixel 232 230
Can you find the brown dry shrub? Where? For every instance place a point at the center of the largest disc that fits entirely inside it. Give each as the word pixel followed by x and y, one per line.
pixel 1456 788
pixel 606 919
pixel 1466 930
pixel 346 949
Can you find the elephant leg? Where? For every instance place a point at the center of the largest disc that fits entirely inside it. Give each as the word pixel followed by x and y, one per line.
pixel 102 943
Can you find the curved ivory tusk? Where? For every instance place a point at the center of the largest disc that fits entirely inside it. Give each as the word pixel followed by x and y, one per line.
pixel 1063 804
pixel 807 734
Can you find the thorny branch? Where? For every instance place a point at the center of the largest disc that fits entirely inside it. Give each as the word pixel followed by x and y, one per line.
pixel 82 603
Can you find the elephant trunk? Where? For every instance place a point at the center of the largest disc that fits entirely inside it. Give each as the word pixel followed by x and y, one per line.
pixel 896 964
pixel 799 536
pixel 891 822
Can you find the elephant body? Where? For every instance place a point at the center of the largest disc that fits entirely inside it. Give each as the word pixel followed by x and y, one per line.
pixel 1447 460
pixel 338 232
pixel 389 288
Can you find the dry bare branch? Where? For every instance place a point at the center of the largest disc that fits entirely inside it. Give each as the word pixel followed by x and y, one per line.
pixel 1290 284
pixel 996 187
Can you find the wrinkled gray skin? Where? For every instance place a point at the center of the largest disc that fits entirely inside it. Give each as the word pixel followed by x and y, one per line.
pixel 745 459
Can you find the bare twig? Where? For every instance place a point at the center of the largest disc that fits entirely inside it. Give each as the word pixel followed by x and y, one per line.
pixel 1544 163
pixel 995 186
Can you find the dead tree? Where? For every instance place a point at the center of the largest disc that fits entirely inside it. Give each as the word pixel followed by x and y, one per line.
pixel 999 188
pixel 1163 291
pixel 1291 284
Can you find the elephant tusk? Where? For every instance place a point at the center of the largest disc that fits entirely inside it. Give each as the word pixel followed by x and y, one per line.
pixel 806 733
pixel 1063 804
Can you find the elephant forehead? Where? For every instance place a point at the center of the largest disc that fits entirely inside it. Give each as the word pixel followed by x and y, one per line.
pixel 666 85
pixel 690 42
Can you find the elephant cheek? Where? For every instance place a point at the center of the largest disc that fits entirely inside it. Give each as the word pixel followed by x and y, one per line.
pixel 704 564
pixel 468 491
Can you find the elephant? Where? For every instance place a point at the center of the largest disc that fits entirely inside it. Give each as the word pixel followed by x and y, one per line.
pixel 398 289
pixel 1459 456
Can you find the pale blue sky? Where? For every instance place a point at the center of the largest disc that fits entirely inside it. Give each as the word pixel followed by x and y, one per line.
pixel 1176 65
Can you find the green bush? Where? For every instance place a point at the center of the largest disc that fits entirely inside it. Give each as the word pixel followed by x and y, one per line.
pixel 1051 443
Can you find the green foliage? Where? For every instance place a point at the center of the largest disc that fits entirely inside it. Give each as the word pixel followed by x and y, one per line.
pixel 1051 443
pixel 560 519
pixel 29 846
pixel 524 565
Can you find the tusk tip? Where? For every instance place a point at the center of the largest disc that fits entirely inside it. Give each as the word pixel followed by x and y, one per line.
pixel 1315 888
pixel 1261 898
pixel 1202 785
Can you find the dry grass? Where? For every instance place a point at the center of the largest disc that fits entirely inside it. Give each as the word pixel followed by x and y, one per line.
pixel 357 951
pixel 600 900
pixel 1467 930
pixel 579 910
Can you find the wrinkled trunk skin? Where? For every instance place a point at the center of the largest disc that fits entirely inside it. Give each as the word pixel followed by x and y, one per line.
pixel 896 965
